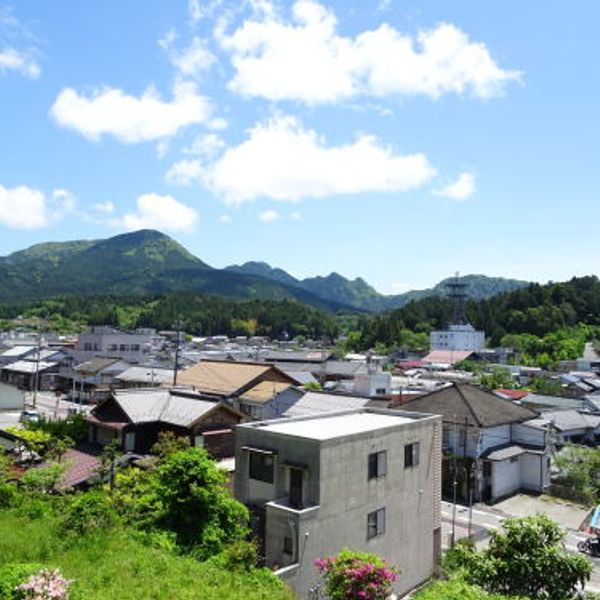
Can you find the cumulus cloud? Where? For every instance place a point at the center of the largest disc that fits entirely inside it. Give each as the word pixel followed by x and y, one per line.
pixel 269 216
pixel 461 189
pixel 159 212
pixel 185 172
pixel 24 207
pixel 207 145
pixel 284 161
pixel 225 219
pixel 192 60
pixel 130 119
pixel 201 9
pixel 295 216
pixel 306 59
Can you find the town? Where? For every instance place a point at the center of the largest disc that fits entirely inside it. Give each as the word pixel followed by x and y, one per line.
pixel 402 456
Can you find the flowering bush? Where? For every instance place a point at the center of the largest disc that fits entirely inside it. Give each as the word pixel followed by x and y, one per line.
pixel 46 585
pixel 356 576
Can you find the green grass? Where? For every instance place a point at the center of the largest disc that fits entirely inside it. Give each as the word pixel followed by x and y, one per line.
pixel 113 565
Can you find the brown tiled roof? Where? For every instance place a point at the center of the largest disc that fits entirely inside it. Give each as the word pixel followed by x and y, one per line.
pixel 264 391
pixel 223 378
pixel 458 403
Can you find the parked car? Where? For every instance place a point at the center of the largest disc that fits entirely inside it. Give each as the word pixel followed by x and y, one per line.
pixel 29 416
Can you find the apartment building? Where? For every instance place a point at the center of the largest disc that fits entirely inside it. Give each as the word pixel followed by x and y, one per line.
pixel 367 479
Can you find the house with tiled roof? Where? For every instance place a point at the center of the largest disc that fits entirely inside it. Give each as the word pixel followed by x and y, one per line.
pixel 136 417
pixel 491 449
pixel 268 399
pixel 227 379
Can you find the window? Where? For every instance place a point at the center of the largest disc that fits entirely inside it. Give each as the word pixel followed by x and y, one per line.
pixel 87 346
pixel 112 347
pixel 376 523
pixel 288 545
pixel 380 391
pixel 487 468
pixel 377 464
pixel 135 347
pixel 411 455
pixel 124 348
pixel 262 467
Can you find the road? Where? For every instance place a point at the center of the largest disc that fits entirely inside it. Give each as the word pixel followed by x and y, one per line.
pixel 484 521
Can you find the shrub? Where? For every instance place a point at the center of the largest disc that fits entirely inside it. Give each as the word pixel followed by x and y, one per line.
pixel 13 574
pixel 240 556
pixel 86 512
pixel 45 585
pixel 8 495
pixel 43 479
pixel 356 576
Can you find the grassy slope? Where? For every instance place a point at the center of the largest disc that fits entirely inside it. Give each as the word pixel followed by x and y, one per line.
pixel 113 565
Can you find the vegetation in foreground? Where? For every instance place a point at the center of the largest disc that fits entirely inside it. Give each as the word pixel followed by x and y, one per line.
pixel 172 531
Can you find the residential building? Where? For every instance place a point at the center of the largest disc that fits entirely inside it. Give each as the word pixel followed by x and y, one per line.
pixel 366 479
pixel 267 399
pixel 506 454
pixel 135 418
pixel 570 426
pixel 144 376
pixel 320 403
pixel 92 380
pixel 457 337
pixel 228 379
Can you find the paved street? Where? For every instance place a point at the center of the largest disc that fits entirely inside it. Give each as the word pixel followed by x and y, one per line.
pixel 486 519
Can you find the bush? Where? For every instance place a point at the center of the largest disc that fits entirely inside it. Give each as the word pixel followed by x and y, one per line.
pixel 45 585
pixel 43 479
pixel 8 495
pixel 240 556
pixel 12 575
pixel 86 512
pixel 356 575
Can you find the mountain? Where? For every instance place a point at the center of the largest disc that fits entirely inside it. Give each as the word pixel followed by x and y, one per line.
pixel 150 262
pixel 358 294
pixel 142 262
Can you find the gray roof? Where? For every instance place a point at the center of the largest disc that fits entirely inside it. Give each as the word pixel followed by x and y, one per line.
pixel 97 364
pixel 316 403
pixel 147 406
pixel 566 420
pixel 29 366
pixel 462 402
pixel 505 453
pixel 141 374
pixel 302 377
pixel 539 401
pixel 17 351
pixel 593 402
pixel 333 368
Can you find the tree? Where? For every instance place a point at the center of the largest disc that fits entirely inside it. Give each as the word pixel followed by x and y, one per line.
pixel 58 447
pixel 579 467
pixel 196 505
pixel 168 443
pixel 110 453
pixel 526 559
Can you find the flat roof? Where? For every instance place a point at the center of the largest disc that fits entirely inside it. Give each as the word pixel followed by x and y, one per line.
pixel 326 427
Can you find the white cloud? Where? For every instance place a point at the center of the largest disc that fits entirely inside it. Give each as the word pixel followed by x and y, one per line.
pixel 201 9
pixel 225 219
pixel 194 59
pixel 185 172
pixel 295 216
pixel 130 119
pixel 269 216
pixel 17 52
pixel 23 207
pixel 21 61
pixel 207 145
pixel 104 207
pixel 461 189
pixel 306 59
pixel 159 212
pixel 283 161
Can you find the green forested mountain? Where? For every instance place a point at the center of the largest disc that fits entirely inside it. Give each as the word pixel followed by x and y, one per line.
pixel 359 294
pixel 537 310
pixel 143 262
pixel 200 314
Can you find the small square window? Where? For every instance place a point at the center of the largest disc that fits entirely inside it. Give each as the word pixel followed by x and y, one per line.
pixel 376 523
pixel 411 455
pixel 261 467
pixel 377 464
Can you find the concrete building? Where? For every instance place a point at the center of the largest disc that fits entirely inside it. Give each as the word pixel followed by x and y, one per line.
pixel 457 337
pixel 366 479
pixel 102 340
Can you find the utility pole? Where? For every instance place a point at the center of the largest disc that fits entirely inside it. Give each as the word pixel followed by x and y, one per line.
pixel 36 375
pixel 454 481
pixel 177 325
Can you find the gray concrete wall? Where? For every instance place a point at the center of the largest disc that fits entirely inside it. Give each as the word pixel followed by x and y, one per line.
pixel 337 481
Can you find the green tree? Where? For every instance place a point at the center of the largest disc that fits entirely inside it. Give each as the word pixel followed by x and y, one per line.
pixel 196 505
pixel 168 443
pixel 43 479
pixel 526 558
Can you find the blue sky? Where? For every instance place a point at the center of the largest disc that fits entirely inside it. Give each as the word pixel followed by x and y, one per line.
pixel 395 140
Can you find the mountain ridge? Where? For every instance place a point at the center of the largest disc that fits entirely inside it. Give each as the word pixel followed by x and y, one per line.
pixel 148 261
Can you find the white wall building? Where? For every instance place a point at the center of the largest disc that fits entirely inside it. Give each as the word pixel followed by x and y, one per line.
pixel 102 340
pixel 457 337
